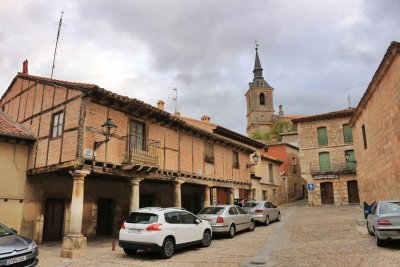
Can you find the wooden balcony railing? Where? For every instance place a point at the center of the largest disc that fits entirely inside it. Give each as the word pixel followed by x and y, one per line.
pixel 332 167
pixel 143 153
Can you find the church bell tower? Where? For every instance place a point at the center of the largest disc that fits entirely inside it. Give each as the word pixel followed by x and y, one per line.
pixel 259 98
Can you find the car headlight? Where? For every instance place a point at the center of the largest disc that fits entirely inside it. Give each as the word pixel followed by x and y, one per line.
pixel 32 245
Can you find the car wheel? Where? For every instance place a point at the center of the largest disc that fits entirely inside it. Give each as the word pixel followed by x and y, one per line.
pixel 379 242
pixel 369 230
pixel 232 231
pixel 252 225
pixel 130 251
pixel 206 241
pixel 279 217
pixel 167 248
pixel 266 222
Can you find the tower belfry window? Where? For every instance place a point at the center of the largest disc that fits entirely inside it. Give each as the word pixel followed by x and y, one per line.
pixel 262 99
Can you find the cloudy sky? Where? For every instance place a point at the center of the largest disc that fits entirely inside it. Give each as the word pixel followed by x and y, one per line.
pixel 314 53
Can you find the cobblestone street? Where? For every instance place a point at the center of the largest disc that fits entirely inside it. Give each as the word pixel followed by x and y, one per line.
pixel 306 236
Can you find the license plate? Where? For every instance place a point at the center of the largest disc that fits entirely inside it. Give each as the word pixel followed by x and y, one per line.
pixel 136 231
pixel 15 260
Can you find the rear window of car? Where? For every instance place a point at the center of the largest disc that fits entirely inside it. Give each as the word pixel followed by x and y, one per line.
pixel 389 207
pixel 143 218
pixel 212 210
pixel 251 204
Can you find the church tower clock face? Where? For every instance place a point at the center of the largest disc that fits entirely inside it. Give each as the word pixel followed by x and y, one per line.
pixel 259 97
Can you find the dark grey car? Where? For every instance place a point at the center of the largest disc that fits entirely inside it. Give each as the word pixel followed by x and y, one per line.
pixel 16 250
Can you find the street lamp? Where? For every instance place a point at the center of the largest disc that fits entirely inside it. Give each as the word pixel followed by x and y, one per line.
pixel 255 157
pixel 108 130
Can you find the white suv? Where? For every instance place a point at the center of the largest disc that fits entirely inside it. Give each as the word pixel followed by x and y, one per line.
pixel 163 230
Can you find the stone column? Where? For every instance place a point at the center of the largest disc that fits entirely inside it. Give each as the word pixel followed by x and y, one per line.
pixel 206 202
pixel 135 193
pixel 231 196
pixel 74 244
pixel 177 193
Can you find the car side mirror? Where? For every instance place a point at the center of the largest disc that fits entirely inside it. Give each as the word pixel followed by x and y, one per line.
pixel 197 221
pixel 15 231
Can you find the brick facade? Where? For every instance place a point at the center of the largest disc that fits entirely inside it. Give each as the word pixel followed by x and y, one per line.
pixel 330 183
pixel 378 163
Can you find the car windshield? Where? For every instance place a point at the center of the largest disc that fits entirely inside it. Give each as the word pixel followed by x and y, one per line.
pixel 389 207
pixel 5 231
pixel 251 204
pixel 212 210
pixel 143 218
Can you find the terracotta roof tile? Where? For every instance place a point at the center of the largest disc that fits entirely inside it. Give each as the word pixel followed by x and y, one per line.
pixel 348 112
pixel 10 128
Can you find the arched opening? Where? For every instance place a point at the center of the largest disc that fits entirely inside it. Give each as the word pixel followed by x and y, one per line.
pixel 262 99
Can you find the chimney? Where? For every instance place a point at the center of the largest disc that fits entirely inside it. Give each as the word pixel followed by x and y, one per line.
pixel 205 118
pixel 25 67
pixel 160 104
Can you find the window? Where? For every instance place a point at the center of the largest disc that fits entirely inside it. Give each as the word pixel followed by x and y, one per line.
pixel 209 153
pixel 137 136
pixel 58 121
pixel 235 159
pixel 364 136
pixel 271 173
pixel 347 134
pixel 241 211
pixel 173 218
pixel 142 218
pixel 322 136
pixel 324 161
pixel 187 218
pixel 262 99
pixel 350 165
pixel 265 194
pixel 233 211
pixel 294 165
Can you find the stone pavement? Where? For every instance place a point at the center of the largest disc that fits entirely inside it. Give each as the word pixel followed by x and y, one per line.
pixel 306 236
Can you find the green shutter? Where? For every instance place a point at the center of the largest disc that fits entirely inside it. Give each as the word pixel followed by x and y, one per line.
pixel 347 134
pixel 322 136
pixel 350 165
pixel 324 161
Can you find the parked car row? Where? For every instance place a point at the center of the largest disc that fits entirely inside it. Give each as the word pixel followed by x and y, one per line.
pixel 166 229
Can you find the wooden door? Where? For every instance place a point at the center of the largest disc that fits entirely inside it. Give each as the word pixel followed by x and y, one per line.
pixel 222 196
pixel 327 193
pixel 352 190
pixel 53 219
pixel 105 216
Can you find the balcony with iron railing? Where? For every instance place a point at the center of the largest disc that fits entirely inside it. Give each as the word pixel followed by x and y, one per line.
pixel 143 154
pixel 332 167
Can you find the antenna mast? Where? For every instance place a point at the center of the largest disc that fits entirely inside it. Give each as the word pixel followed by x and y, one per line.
pixel 55 50
pixel 175 98
pixel 348 98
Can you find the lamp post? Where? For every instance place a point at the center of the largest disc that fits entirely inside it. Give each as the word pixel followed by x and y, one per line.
pixel 255 158
pixel 284 176
pixel 108 128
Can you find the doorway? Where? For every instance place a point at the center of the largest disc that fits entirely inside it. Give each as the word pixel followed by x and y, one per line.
pixel 327 193
pixel 105 216
pixel 53 219
pixel 352 190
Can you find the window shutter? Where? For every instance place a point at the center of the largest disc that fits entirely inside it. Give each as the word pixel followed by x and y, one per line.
pixel 347 134
pixel 350 165
pixel 322 136
pixel 324 161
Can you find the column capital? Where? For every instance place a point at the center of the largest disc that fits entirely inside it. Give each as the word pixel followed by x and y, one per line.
pixel 79 174
pixel 135 181
pixel 178 182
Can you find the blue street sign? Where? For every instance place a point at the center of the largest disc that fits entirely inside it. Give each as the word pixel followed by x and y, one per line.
pixel 310 186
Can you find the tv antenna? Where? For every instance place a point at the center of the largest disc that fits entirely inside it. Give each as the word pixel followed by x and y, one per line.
pixel 175 98
pixel 55 50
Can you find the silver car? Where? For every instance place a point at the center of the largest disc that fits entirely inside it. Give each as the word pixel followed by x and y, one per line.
pixel 263 211
pixel 227 219
pixel 16 250
pixel 383 221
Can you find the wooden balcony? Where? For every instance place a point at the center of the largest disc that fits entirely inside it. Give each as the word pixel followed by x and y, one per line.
pixel 143 154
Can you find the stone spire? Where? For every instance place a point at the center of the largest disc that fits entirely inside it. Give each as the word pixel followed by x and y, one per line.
pixel 257 67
